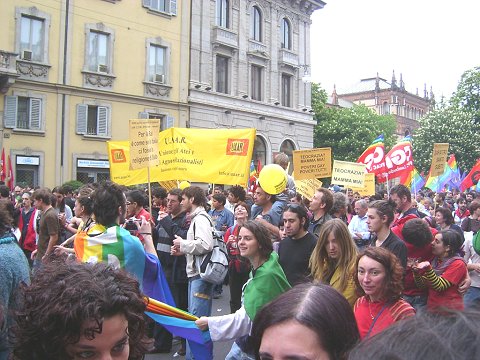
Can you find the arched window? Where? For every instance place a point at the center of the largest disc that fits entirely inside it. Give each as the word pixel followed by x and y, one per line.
pixel 222 16
pixel 259 151
pixel 286 34
pixel 287 147
pixel 385 108
pixel 256 24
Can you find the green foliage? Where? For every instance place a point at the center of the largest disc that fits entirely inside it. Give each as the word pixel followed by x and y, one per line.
pixel 467 96
pixel 74 184
pixel 447 124
pixel 348 131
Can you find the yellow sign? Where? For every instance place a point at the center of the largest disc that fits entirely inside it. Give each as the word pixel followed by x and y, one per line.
pixel 203 155
pixel 349 174
pixel 144 143
pixel 307 187
pixel 312 163
pixel 439 156
pixel 369 186
pixel 168 185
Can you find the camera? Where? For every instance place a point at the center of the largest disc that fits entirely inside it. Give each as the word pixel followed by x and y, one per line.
pixel 130 224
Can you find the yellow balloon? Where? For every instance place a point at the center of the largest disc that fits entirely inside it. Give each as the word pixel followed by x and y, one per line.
pixel 183 185
pixel 273 179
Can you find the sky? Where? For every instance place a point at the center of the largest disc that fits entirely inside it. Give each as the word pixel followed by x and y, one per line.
pixel 428 41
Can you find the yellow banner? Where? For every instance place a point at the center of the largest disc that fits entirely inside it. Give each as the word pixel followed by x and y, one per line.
pixel 168 185
pixel 439 157
pixel 307 187
pixel 369 186
pixel 312 163
pixel 349 174
pixel 144 143
pixel 203 155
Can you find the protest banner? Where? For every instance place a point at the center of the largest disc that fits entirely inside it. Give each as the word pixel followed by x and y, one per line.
pixel 349 174
pixel 312 163
pixel 398 161
pixel 144 143
pixel 307 187
pixel 368 188
pixel 203 155
pixel 439 156
pixel 168 185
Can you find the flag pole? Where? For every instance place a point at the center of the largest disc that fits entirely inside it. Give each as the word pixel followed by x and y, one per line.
pixel 149 190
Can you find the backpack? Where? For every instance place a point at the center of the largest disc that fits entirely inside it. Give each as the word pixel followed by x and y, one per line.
pixel 213 266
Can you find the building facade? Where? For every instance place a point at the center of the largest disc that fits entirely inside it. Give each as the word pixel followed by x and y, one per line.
pixel 389 98
pixel 248 64
pixel 72 74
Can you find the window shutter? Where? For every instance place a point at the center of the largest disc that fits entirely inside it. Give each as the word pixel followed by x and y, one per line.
pixel 173 7
pixel 10 114
pixel 102 119
pixel 35 114
pixel 147 3
pixel 143 115
pixel 170 122
pixel 82 114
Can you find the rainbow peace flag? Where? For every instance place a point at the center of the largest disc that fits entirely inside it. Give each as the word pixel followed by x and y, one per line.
pixel 117 247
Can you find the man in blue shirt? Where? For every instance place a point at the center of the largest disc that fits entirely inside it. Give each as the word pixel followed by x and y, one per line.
pixel 358 225
pixel 222 218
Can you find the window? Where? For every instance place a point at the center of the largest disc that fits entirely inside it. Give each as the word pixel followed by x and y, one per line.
pixel 286 90
pixel 156 64
pixel 163 6
pixel 32 38
pixel 256 83
pixel 256 24
pixel 92 120
pixel 98 52
pixel 385 108
pixel 285 34
pixel 222 16
pixel 287 147
pixel 259 151
pixel 222 74
pixel 23 113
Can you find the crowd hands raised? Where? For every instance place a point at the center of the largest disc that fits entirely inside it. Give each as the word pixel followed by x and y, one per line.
pixel 336 276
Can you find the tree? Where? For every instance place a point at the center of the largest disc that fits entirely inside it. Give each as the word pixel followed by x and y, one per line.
pixel 447 124
pixel 467 96
pixel 348 131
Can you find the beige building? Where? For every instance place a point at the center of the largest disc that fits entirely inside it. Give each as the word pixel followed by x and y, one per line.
pixel 72 73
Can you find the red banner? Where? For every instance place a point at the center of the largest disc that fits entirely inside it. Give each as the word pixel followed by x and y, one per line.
pixel 398 161
pixel 374 157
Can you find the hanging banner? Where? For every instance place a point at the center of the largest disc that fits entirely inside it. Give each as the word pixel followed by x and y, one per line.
pixel 348 174
pixel 374 156
pixel 312 163
pixel 168 185
pixel 203 155
pixel 368 188
pixel 398 161
pixel 439 156
pixel 144 143
pixel 307 187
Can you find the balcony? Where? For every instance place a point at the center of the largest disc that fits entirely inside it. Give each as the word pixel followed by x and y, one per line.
pixel 225 37
pixel 258 49
pixel 286 57
pixel 8 70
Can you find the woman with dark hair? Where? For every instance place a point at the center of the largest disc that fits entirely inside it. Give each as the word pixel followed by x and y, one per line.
pixel 379 282
pixel 238 266
pixel 310 321
pixel 266 282
pixel 444 220
pixel 444 274
pixel 333 259
pixel 14 271
pixel 81 311
pixel 380 215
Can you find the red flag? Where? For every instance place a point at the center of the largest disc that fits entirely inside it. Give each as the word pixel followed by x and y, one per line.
pixel 11 182
pixel 472 178
pixel 399 160
pixel 374 157
pixel 3 173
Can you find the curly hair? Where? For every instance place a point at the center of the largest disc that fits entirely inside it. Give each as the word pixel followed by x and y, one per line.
pixel 321 266
pixel 63 297
pixel 393 281
pixel 6 218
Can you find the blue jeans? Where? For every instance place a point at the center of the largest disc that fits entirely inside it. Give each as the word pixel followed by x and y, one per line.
pixel 472 298
pixel 200 295
pixel 418 302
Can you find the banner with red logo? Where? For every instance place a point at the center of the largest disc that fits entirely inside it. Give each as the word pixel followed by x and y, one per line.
pixel 216 156
pixel 374 156
pixel 398 161
pixel 472 178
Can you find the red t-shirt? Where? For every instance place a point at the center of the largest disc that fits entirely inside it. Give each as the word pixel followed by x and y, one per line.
pixel 366 310
pixel 422 254
pixel 451 298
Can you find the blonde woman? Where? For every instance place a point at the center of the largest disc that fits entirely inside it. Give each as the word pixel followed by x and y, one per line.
pixel 333 259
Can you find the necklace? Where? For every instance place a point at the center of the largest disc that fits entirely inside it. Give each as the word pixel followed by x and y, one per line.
pixel 370 310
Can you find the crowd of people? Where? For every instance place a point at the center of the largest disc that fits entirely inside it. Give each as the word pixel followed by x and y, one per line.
pixel 329 277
